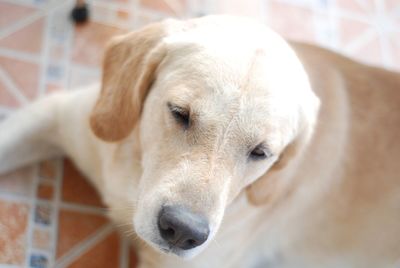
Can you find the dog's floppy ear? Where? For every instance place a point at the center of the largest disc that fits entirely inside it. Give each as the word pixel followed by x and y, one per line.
pixel 128 71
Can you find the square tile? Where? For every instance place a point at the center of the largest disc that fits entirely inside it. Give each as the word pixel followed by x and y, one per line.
pixel 45 191
pixel 13 232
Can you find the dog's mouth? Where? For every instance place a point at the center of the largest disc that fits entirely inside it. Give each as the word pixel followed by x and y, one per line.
pixel 169 249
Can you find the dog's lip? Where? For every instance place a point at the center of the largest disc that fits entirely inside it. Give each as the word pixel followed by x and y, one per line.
pixel 169 249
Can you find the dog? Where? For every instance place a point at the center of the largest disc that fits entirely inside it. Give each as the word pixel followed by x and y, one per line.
pixel 222 145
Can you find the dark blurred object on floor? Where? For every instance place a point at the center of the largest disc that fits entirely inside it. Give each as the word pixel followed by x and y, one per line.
pixel 80 13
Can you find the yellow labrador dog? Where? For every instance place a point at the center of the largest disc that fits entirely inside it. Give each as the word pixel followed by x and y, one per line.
pixel 222 145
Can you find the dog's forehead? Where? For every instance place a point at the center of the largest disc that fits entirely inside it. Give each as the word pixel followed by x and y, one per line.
pixel 219 79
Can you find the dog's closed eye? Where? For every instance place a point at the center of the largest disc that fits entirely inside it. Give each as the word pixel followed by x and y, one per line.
pixel 260 152
pixel 181 115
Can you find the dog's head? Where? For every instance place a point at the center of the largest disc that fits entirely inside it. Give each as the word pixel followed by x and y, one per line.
pixel 218 102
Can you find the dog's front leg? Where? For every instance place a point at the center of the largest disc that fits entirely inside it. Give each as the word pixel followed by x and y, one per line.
pixel 30 134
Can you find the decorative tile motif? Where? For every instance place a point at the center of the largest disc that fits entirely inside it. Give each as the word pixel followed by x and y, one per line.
pixel 38 261
pixel 43 214
pixel 49 213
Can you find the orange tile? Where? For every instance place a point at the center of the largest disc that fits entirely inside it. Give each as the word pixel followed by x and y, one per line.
pixel 77 189
pixel 178 8
pixel 291 21
pixel 14 223
pixel 133 259
pixel 103 255
pixel 351 29
pixel 365 6
pixel 90 41
pixel 12 13
pixel 41 239
pixel 45 191
pixel 370 53
pixel 18 182
pixel 74 227
pixel 27 39
pixel 28 83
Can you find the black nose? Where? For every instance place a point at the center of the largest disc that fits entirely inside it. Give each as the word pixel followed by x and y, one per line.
pixel 182 228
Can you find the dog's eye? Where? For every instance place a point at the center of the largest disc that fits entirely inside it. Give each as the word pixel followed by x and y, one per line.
pixel 259 153
pixel 180 115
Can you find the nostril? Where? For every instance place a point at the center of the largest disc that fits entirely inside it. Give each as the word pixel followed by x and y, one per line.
pixel 191 242
pixel 169 233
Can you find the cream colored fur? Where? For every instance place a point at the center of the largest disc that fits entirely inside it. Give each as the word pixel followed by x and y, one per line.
pixel 328 195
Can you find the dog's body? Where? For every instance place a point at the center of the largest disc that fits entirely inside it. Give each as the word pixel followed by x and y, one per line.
pixel 329 199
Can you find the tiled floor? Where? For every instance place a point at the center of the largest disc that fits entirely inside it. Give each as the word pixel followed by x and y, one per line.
pixel 49 215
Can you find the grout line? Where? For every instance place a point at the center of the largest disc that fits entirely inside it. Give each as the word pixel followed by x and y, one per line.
pixel 83 208
pixel 124 252
pixel 31 219
pixel 55 215
pixel 84 246
pixel 361 40
pixel 68 57
pixel 264 11
pixel 16 198
pixel 19 55
pixel 134 18
pixel 3 265
pixel 334 23
pixel 22 3
pixel 20 24
pixel 44 57
pixel 12 87
pixel 382 34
